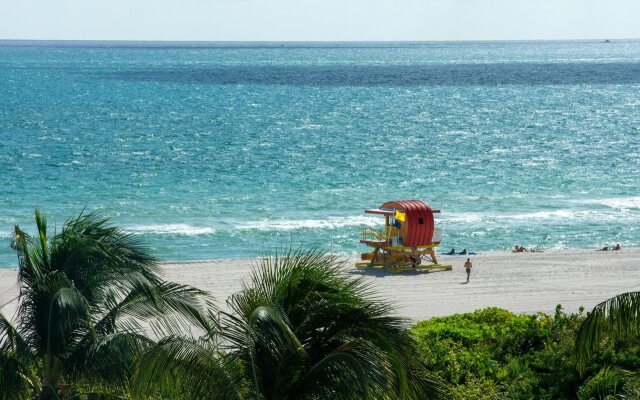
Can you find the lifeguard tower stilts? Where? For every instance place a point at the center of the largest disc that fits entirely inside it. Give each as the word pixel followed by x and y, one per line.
pixel 407 241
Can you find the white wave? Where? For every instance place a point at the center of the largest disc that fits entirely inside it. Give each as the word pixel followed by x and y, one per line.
pixel 463 217
pixel 620 203
pixel 558 214
pixel 536 215
pixel 327 223
pixel 176 229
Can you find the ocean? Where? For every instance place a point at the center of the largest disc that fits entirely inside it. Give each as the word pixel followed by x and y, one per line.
pixel 225 150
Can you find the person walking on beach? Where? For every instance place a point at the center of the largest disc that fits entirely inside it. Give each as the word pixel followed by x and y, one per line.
pixel 468 266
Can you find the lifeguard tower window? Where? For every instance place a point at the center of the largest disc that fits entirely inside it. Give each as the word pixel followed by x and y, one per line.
pixel 420 221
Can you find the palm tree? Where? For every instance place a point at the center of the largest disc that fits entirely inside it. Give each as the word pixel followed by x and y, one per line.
pixel 89 298
pixel 610 383
pixel 300 330
pixel 617 318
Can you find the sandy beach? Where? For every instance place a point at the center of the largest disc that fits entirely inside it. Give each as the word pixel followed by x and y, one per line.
pixel 523 282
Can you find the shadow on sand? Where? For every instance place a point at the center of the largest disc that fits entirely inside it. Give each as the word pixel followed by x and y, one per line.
pixel 381 273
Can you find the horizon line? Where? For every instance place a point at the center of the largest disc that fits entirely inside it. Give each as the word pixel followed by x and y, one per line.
pixel 408 41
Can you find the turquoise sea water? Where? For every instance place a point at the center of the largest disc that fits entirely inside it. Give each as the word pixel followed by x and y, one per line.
pixel 230 150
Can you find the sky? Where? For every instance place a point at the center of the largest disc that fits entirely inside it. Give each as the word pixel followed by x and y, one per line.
pixel 319 20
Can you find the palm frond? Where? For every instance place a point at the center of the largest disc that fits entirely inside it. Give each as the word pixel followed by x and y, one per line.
pixel 15 377
pixel 354 370
pixel 168 308
pixel 86 295
pixel 190 368
pixel 338 334
pixel 26 273
pixel 618 318
pixel 609 382
pixel 117 258
pixel 12 341
pixel 16 362
pixel 51 312
pixel 107 360
pixel 41 223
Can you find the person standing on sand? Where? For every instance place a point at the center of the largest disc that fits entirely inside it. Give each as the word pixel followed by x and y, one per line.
pixel 468 267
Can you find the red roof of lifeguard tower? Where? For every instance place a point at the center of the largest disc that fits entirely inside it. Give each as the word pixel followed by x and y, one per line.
pixel 419 221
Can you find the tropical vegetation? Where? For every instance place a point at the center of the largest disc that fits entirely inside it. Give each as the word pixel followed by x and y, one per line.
pixel 495 354
pixel 298 330
pixel 96 321
pixel 616 319
pixel 90 300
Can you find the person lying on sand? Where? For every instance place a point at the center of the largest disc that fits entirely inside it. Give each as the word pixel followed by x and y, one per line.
pixel 451 253
pixel 463 252
pixel 614 248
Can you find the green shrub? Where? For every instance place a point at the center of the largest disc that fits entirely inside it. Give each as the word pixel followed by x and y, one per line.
pixel 493 353
pixel 610 383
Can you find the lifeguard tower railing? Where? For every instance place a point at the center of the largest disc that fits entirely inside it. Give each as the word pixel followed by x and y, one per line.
pixel 390 235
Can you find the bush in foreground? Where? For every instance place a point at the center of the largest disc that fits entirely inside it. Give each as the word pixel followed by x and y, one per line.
pixel 495 354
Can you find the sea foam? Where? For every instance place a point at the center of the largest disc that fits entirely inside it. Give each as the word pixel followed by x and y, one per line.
pixel 293 224
pixel 620 203
pixel 175 229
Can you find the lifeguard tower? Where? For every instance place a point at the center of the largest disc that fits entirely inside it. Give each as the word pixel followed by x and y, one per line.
pixel 406 242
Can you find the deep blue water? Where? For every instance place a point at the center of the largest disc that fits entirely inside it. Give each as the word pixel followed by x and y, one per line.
pixel 213 150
